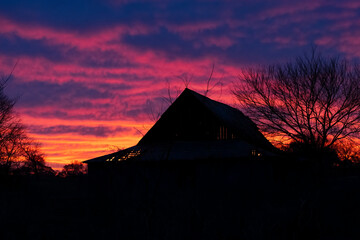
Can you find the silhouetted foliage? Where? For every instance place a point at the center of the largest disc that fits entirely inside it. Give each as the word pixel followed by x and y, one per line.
pixel 323 156
pixel 11 131
pixel 348 151
pixel 313 100
pixel 34 162
pixel 18 154
pixel 73 169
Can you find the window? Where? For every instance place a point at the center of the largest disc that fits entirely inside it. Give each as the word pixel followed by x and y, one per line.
pixel 223 133
pixel 131 154
pixel 255 153
pixel 126 156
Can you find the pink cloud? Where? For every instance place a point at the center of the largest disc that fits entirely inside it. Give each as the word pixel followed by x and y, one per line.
pixel 290 8
pixel 222 41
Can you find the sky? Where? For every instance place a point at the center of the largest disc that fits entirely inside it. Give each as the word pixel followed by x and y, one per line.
pixel 91 76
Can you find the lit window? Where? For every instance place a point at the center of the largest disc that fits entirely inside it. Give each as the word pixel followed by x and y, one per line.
pixel 110 159
pixel 131 154
pixel 255 153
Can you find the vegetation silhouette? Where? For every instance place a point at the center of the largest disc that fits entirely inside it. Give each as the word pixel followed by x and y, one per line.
pixel 73 169
pixel 18 153
pixel 312 101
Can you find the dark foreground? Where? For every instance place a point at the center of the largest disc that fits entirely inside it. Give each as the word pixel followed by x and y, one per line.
pixel 70 208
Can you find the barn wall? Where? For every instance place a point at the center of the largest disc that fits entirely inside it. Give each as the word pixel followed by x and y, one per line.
pixel 132 179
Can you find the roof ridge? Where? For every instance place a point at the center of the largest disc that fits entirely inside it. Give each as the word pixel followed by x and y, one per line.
pixel 209 99
pixel 196 94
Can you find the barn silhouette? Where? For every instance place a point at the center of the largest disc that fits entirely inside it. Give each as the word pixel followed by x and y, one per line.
pixel 193 129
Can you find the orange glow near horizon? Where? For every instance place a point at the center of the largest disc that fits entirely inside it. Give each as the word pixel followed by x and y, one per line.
pixel 64 148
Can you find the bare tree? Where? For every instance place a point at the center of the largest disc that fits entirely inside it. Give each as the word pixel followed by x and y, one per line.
pixel 17 151
pixel 34 161
pixel 313 100
pixel 186 80
pixel 11 130
pixel 209 85
pixel 10 145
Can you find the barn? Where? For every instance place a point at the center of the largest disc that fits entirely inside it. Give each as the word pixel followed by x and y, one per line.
pixel 196 138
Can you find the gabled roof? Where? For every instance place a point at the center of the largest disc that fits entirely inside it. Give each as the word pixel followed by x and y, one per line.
pixel 232 117
pixel 226 115
pixel 161 142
